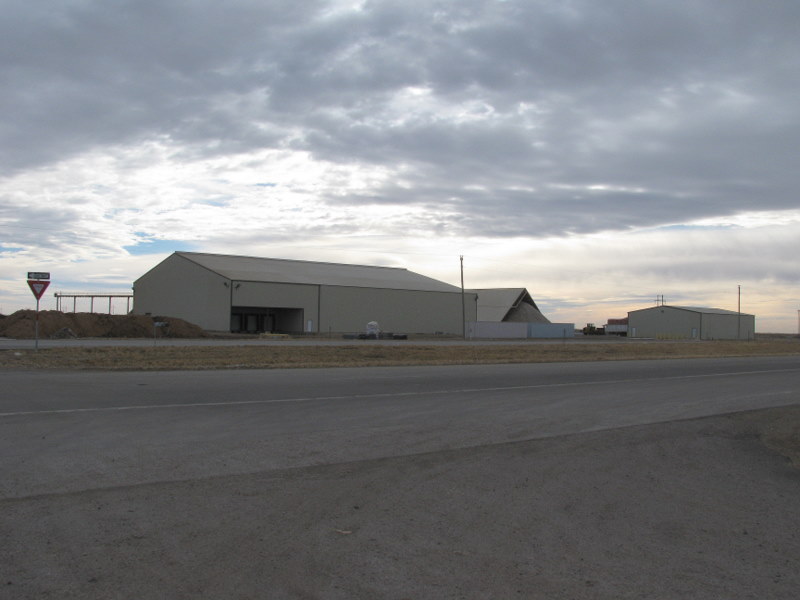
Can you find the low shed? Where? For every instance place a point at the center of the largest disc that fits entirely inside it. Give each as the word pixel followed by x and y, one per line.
pixel 684 322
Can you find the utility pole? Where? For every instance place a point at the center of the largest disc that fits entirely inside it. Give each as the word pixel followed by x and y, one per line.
pixel 739 316
pixel 463 305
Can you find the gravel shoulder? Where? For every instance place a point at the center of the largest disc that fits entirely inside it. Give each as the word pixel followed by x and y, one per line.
pixel 704 508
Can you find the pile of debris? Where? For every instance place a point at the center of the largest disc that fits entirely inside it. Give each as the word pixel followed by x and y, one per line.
pixel 57 324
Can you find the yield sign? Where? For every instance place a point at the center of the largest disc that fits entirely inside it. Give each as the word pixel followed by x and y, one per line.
pixel 38 287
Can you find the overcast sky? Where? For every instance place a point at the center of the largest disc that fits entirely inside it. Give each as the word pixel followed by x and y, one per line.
pixel 598 153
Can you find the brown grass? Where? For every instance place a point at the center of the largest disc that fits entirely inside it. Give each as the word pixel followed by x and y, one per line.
pixel 368 353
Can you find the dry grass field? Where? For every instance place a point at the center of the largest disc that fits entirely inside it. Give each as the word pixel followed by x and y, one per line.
pixel 369 353
pixel 364 353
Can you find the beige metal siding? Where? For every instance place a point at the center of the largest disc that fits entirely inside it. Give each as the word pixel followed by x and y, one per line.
pixel 728 327
pixel 686 323
pixel 348 309
pixel 663 322
pixel 180 288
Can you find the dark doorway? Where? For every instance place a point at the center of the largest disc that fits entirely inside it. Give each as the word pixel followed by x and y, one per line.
pixel 258 319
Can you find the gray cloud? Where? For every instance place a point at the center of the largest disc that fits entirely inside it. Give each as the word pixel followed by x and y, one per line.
pixel 682 110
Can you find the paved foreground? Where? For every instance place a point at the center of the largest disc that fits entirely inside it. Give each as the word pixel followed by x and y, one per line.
pixel 583 504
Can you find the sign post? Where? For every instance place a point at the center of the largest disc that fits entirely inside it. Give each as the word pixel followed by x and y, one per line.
pixel 38 283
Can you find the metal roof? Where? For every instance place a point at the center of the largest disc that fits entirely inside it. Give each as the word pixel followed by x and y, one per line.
pixel 276 270
pixel 698 309
pixel 495 304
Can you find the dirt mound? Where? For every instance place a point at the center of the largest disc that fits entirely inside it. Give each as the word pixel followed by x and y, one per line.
pixel 54 323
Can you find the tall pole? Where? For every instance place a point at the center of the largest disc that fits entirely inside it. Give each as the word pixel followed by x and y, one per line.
pixel 463 305
pixel 739 316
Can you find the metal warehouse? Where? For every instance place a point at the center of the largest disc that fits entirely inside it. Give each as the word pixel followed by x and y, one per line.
pixel 682 322
pixel 514 305
pixel 512 313
pixel 250 294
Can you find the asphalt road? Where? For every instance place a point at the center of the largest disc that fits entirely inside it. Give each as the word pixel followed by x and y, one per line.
pixel 67 431
pixel 359 440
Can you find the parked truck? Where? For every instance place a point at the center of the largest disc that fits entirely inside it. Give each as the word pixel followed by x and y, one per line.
pixel 590 329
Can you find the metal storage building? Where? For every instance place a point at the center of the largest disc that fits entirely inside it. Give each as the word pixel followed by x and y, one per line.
pixel 684 322
pixel 508 305
pixel 512 313
pixel 251 294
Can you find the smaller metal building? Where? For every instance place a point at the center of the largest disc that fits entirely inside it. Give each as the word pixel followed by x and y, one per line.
pixel 513 305
pixel 512 313
pixel 692 323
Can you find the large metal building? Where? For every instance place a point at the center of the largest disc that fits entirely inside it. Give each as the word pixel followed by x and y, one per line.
pixel 249 294
pixel 684 322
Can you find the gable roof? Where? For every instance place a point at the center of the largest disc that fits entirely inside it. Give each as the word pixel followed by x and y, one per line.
pixel 276 270
pixel 507 304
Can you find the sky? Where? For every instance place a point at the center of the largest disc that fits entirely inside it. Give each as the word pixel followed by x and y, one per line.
pixel 599 154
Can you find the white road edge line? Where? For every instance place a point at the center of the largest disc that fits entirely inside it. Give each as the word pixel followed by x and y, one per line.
pixel 385 395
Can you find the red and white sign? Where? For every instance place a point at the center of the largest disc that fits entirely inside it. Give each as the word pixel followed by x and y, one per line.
pixel 38 287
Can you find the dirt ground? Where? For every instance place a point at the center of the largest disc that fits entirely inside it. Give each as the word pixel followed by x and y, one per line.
pixel 57 324
pixel 700 509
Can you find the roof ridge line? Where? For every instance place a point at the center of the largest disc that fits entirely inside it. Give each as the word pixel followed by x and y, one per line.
pixel 296 260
